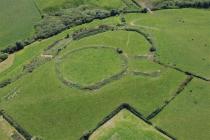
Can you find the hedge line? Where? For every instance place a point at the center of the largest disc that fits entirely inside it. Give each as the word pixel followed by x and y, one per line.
pixel 59 21
pixel 115 112
pixel 14 124
pixel 28 68
pixel 89 32
pixel 5 83
pixel 182 71
pixel 19 45
pixel 149 74
pixel 179 90
pixel 51 25
pixel 48 28
pixel 8 81
pixel 174 4
pixel 3 56
pixel 34 63
pixel 146 36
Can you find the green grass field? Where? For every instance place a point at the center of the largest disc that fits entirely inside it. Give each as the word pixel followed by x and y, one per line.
pixel 136 90
pixel 81 64
pixel 45 105
pixel 189 113
pixel 17 20
pixel 124 126
pixel 44 4
pixel 182 39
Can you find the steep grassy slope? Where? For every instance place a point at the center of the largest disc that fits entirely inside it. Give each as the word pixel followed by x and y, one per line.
pixel 16 20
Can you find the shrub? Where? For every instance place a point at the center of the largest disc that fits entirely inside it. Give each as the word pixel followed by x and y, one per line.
pixel 18 45
pixel 120 51
pixel 3 56
pixel 114 12
pixel 49 26
pixel 87 32
pixel 145 10
pixel 56 20
pixel 5 83
pixel 165 4
pixel 152 49
pixel 59 20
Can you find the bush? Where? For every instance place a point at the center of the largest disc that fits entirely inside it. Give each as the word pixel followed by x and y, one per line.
pixel 18 45
pixel 5 83
pixel 3 56
pixel 153 49
pixel 48 27
pixel 59 20
pixel 145 10
pixel 88 32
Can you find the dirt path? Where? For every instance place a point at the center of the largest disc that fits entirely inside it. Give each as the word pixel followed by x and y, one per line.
pixel 128 40
pixel 132 23
pixel 7 63
pixel 8 130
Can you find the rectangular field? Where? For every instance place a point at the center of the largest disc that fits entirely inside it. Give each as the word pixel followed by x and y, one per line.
pixel 17 18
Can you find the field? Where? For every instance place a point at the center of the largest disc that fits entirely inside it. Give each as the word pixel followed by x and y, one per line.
pixel 17 20
pixel 44 4
pixel 168 31
pixel 194 99
pixel 64 86
pixel 59 96
pixel 125 126
pixel 83 72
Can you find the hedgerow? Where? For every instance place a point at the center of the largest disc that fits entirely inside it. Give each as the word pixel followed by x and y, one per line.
pixel 168 4
pixel 58 21
pixel 13 123
pixel 126 106
pixel 89 32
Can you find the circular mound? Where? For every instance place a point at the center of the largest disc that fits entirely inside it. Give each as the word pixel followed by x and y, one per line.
pixel 91 67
